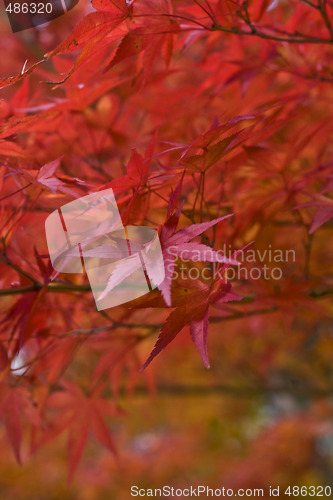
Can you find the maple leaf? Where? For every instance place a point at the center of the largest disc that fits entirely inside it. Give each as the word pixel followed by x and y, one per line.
pixel 46 178
pixel 5 82
pixel 199 334
pixel 193 310
pixel 136 177
pixel 323 213
pixel 150 39
pixel 13 403
pixel 121 272
pixel 176 244
pixel 89 33
pixel 11 149
pixel 136 172
pixel 79 413
pixel 214 151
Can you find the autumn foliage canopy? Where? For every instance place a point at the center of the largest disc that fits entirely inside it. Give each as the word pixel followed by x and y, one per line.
pixel 211 120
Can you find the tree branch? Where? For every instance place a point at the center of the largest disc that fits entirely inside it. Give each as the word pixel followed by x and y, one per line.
pixel 235 391
pixel 5 260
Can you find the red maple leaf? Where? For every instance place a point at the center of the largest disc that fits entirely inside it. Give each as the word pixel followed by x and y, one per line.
pixel 192 309
pixel 79 413
pixel 176 243
pixel 324 210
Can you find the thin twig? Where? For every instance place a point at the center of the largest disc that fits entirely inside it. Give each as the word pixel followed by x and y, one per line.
pixel 322 8
pixel 5 260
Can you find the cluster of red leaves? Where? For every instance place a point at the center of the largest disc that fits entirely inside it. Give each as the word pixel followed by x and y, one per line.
pixel 191 112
